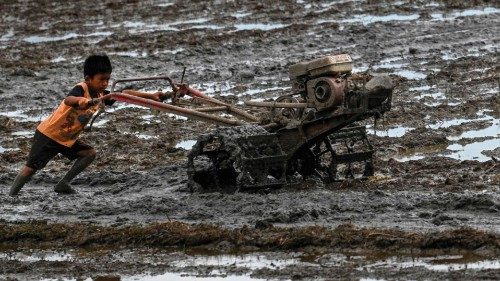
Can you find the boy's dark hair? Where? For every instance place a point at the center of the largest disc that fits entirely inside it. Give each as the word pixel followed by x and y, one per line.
pixel 95 64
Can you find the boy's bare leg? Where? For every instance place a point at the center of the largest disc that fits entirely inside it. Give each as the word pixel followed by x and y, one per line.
pixel 22 178
pixel 83 161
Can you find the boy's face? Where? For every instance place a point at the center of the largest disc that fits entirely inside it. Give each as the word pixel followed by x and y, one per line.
pixel 98 82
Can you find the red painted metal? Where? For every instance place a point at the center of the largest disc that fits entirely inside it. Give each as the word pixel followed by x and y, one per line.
pixel 189 113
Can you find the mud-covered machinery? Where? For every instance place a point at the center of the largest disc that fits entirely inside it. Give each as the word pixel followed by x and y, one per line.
pixel 311 132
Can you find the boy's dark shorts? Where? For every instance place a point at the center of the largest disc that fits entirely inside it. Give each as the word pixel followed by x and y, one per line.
pixel 44 149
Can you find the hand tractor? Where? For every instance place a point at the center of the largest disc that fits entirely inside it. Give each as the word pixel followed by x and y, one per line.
pixel 311 132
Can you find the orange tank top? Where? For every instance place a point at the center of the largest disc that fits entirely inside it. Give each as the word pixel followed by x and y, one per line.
pixel 66 123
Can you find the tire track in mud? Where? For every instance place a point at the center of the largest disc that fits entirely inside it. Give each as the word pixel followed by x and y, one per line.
pixel 123 199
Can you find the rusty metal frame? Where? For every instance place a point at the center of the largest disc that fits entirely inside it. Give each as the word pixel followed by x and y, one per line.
pixel 186 112
pixel 180 90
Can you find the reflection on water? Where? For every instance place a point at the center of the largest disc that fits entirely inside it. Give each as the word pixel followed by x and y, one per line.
pixel 187 144
pixel 491 131
pixel 26 134
pixel 391 132
pixel 185 277
pixel 411 75
pixel 216 267
pixel 70 35
pixel 232 88
pixel 37 256
pixel 473 151
pixel 468 151
pixel 161 277
pixel 464 13
pixel 259 26
pixel 367 19
pixel 251 261
pixel 439 263
pixel 21 116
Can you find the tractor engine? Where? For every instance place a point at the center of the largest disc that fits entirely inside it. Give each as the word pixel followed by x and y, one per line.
pixel 326 84
pixel 322 82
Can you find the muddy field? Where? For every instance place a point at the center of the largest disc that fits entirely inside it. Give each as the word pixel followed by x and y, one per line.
pixel 432 210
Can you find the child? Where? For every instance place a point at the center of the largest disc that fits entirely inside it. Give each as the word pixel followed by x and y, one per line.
pixel 59 132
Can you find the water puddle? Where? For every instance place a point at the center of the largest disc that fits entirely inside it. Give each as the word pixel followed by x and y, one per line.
pixel 3 149
pixel 251 261
pixel 25 134
pixel 470 151
pixel 259 26
pixel 419 153
pixel 176 117
pixel 43 39
pixel 367 19
pixel 360 68
pixel 389 65
pixel 216 267
pixel 472 51
pixel 396 132
pixel 473 151
pixel 100 122
pixel 435 95
pixel 135 27
pixel 163 277
pixel 58 59
pixel 40 39
pixel 165 3
pixel 21 116
pixel 491 131
pixel 212 88
pixel 37 256
pixel 122 106
pixel 94 24
pixel 187 144
pixel 173 52
pixel 227 89
pixel 465 13
pixel 142 136
pixel 207 26
pixel 241 14
pixel 132 54
pixel 411 75
pixel 7 36
pixel 439 263
pixel 458 121
pixel 397 68
pixel 420 88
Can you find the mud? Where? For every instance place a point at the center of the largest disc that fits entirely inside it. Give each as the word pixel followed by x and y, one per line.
pixel 437 171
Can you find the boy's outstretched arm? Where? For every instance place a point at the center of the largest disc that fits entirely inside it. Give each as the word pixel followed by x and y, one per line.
pixel 80 102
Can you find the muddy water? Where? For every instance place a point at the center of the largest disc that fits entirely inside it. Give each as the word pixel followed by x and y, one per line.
pixel 161 265
pixel 437 149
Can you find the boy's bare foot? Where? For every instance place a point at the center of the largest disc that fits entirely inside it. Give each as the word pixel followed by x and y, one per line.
pixel 64 188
